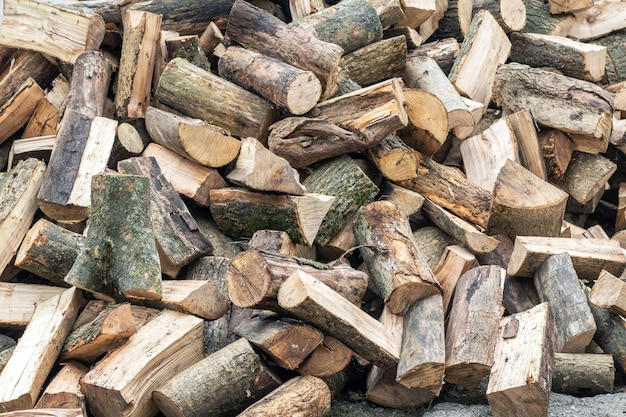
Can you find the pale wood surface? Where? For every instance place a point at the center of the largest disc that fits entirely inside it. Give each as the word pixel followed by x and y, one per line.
pixel 63 391
pixel 20 300
pixel 455 261
pixel 609 292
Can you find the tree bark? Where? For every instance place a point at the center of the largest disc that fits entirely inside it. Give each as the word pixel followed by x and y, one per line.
pixel 583 374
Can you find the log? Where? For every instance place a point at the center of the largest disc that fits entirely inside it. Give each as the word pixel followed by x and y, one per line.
pixel 557 284
pixel 284 85
pixel 583 374
pixel 224 382
pixel 599 20
pixel 121 383
pixel 399 275
pixel 106 332
pixel 393 158
pixel 412 37
pixel 455 261
pixel 545 95
pixel 351 122
pixel 254 278
pixel 443 51
pixel 351 188
pixel 510 14
pixel 130 141
pixel 610 335
pixel 44 120
pixel 46 412
pixel 189 48
pixel 68 33
pixel 472 329
pixel 521 376
pixel 18 204
pixel 389 11
pixel 329 358
pixel 119 257
pixel 20 301
pixel 422 355
pixel 586 176
pixel 471 74
pixel 285 341
pixel 427 129
pixel 620 216
pixel 557 7
pixel 278 242
pixel 376 62
pixel 200 94
pixel 19 108
pixel 609 292
pixel 190 179
pixel 256 29
pixel 239 213
pixel 63 391
pixel 477 110
pixel 539 19
pixel 416 12
pixel 557 150
pixel 455 20
pixel 432 243
pixel 258 168
pixel 36 352
pixel 178 239
pixel 589 256
pixel 210 38
pixel 408 202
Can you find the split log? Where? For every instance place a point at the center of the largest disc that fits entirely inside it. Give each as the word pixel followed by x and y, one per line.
pixel 432 243
pixel 408 202
pixel 285 341
pixel 307 396
pixel 224 382
pixel 63 391
pixel 472 329
pixel 586 176
pixel 109 330
pixel 394 159
pixel 583 374
pixel 20 301
pixel 200 94
pixel 376 62
pixel 258 168
pixel 44 120
pixel 130 140
pixel 594 22
pixel 286 86
pixel 540 20
pixel 443 51
pixel 239 213
pixel 349 123
pixel 35 354
pixel 450 189
pixel 389 11
pixel 557 7
pixel 521 376
pixel 589 256
pixel 477 110
pixel 210 38
pixel 616 59
pixel 620 216
pixel 416 12
pixel 121 384
pixel 422 355
pixel 427 129
pixel 256 29
pixel 609 292
pixel 68 33
pixel 455 20
pixel 464 232
pixel 278 242
pixel 557 284
pixel 315 302
pixel 510 14
pixel 254 278
pixel 411 36
pixel 18 205
pixel 455 261
pixel 557 150
pixel 351 188
pixel 471 74
pixel 548 96
pixel 178 239
pixel 399 275
pixel 119 257
pixel 329 358
pixel 46 412
pixel 19 108
pixel 190 179
pixel 610 335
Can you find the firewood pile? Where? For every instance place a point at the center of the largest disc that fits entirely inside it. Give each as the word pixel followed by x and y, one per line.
pixel 241 208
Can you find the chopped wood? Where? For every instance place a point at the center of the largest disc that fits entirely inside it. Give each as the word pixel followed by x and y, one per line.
pixel 557 150
pixel 601 18
pixel 328 358
pixel 131 140
pixel 38 147
pixel 428 125
pixel 20 300
pixel 586 175
pixel 47 412
pixel 377 61
pixel 557 7
pixel 610 335
pixel 187 47
pixel 510 14
pixel 408 202
pixel 583 374
pixel 17 111
pixel 64 389
pixel 389 11
pixel 539 19
pixel 455 20
pixel 394 159
pixel 279 242
pixel 609 292
pixel 455 261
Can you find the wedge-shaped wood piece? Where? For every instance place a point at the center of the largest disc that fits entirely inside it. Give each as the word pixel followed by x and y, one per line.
pixel 466 233
pixel 351 122
pixel 557 284
pixel 601 19
pixel 557 7
pixel 239 213
pixel 224 382
pixel 393 158
pixel 63 391
pixel 287 342
pixel 68 32
pixel 35 354
pixel 178 239
pixel 18 205
pixel 610 335
pixel 609 292
pixel 19 108
pixel 583 374
pixel 427 129
pixel 119 257
pixel 20 301
pixel 477 110
pixel 258 168
pixel 278 242
pixel 524 204
pixel 389 11
pixel 557 150
pixel 416 12
pixel 586 176
pixel 257 29
pixel 521 375
pixel 409 202
pixel 44 120
pixel 549 97
pixel 121 384
pixel 328 358
pixel 399 274
pixel 200 94
pixel 455 261
pixel 315 302
pixel 450 189
pixel 286 86
pixel 589 256
pixel 343 179
pixel 377 61
pixel 484 48
pixel 472 329
pixel 254 277
pixel 580 60
pixel 190 179
pixel 422 355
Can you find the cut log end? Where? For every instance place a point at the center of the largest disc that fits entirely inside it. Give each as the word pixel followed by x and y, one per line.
pixel 403 297
pixel 513 15
pixel 247 279
pixel 467 376
pixel 304 93
pixel 428 377
pixel 64 213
